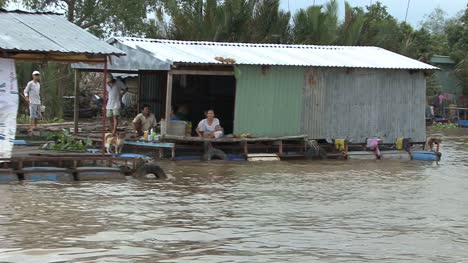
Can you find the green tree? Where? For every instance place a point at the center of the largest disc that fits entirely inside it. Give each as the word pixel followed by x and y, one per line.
pixel 102 17
pixel 351 28
pixel 435 22
pixel 316 24
pixel 381 29
pixel 457 35
pixel 269 23
pixel 3 3
pixel 230 20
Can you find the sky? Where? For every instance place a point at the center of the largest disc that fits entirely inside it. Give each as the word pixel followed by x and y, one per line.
pixel 418 9
pixel 397 8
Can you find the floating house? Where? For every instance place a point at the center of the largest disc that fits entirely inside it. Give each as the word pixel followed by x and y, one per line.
pixel 446 75
pixel 271 90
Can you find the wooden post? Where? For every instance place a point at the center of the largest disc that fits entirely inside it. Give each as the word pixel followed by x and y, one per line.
pixel 76 112
pixel 139 105
pixel 168 102
pixel 104 108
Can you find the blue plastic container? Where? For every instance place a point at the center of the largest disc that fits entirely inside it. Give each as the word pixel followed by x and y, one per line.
pixel 425 156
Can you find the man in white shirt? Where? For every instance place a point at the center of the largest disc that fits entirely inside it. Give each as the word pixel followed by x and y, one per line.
pixel 144 121
pixel 113 104
pixel 32 94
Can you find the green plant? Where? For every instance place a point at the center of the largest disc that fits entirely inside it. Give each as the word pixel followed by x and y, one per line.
pixel 22 119
pixel 63 141
pixel 440 126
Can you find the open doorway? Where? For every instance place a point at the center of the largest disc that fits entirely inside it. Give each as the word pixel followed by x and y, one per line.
pixel 197 94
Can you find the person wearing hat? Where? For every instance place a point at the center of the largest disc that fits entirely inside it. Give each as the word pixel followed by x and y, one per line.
pixel 32 94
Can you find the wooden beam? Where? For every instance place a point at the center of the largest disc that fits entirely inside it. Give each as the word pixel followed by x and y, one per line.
pixel 168 102
pixel 76 112
pixel 202 72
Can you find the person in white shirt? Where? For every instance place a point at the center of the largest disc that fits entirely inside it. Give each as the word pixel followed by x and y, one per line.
pixel 32 94
pixel 210 127
pixel 113 104
pixel 144 121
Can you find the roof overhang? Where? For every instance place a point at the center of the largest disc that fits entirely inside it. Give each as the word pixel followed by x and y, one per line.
pixel 49 37
pixel 52 56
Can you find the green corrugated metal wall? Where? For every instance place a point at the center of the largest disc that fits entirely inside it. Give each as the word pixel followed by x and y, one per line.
pixel 269 100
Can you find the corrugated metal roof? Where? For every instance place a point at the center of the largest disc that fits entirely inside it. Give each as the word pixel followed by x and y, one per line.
pixel 198 52
pixel 47 32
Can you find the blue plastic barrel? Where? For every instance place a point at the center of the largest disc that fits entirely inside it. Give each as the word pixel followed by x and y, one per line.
pixel 235 157
pixel 47 174
pixel 425 156
pixel 187 157
pixel 133 156
pixel 19 142
pixel 463 123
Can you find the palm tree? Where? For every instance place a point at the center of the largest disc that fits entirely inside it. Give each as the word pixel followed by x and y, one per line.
pixel 351 28
pixel 317 24
pixel 269 23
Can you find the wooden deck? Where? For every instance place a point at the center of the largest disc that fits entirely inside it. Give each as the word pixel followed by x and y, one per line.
pixel 243 143
pixel 230 139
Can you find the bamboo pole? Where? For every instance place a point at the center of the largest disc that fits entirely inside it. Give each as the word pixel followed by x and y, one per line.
pixel 104 108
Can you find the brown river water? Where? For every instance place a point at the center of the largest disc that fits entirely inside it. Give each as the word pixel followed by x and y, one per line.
pixel 301 211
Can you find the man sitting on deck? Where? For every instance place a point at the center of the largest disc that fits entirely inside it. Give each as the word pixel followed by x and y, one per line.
pixel 210 127
pixel 144 121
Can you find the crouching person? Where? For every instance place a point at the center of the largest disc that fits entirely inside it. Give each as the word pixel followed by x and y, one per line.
pixel 144 121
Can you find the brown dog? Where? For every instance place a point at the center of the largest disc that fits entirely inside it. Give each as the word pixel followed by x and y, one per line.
pixel 115 142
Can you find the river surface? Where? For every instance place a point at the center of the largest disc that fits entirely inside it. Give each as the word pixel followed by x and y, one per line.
pixel 302 211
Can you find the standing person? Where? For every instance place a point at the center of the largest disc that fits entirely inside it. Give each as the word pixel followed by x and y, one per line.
pixel 437 104
pixel 32 93
pixel 113 105
pixel 144 121
pixel 210 127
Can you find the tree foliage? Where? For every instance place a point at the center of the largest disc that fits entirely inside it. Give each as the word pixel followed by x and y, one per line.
pixel 103 18
pixel 317 24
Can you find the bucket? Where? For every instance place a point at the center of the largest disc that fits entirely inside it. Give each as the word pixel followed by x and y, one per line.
pixel 177 128
pixel 452 110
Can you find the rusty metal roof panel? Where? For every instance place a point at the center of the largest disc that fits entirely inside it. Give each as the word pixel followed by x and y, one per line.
pixel 200 52
pixel 48 32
